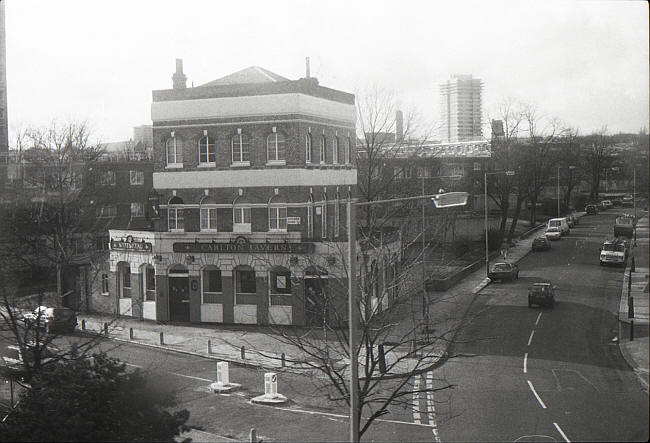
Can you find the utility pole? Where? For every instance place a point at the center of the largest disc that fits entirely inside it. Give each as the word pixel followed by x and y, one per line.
pixel 353 318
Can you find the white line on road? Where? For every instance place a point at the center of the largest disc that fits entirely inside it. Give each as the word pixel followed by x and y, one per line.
pixel 530 339
pixel 536 396
pixel 431 407
pixel 416 400
pixel 525 362
pixel 346 417
pixel 566 439
pixel 173 373
pixel 538 317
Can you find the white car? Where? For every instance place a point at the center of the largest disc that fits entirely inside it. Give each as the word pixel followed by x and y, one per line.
pixel 553 233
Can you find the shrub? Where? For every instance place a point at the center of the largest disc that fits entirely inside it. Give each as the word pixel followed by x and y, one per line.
pixel 461 246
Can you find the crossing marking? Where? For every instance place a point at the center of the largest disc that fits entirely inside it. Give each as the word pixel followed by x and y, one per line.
pixel 530 339
pixel 525 362
pixel 431 407
pixel 566 439
pixel 536 396
pixel 416 400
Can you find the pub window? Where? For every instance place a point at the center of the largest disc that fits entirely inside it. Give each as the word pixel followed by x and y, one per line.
pixel 323 223
pixel 241 219
pixel 210 284
pixel 174 152
pixel 280 279
pixel 207 151
pixel 137 209
pixel 323 149
pixel 239 146
pixel 308 152
pixel 275 148
pixel 335 150
pixel 245 279
pixel 107 178
pixel 175 215
pixel 208 219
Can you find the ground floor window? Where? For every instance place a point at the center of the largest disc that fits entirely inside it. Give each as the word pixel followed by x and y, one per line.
pixel 211 284
pixel 104 283
pixel 245 280
pixel 280 281
pixel 150 284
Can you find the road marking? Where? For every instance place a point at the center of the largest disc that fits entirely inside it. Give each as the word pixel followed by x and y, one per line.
pixel 536 396
pixel 346 417
pixel 173 373
pixel 431 407
pixel 530 339
pixel 538 317
pixel 525 362
pixel 566 439
pixel 416 400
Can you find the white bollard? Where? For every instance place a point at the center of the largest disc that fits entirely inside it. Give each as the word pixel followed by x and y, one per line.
pixel 223 383
pixel 222 373
pixel 271 395
pixel 270 383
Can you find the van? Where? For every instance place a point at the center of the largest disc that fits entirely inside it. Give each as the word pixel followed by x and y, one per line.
pixel 559 223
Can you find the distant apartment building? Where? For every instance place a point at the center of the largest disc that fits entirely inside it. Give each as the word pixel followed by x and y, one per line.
pixel 143 134
pixel 460 109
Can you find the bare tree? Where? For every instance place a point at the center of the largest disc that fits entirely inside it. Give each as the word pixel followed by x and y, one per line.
pixel 597 157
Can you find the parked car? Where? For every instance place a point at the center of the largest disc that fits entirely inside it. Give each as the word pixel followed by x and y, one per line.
pixel 553 233
pixel 591 209
pixel 614 252
pixel 628 201
pixel 606 204
pixel 617 202
pixel 541 243
pixel 571 221
pixel 541 294
pixel 504 271
pixel 560 223
pixel 53 320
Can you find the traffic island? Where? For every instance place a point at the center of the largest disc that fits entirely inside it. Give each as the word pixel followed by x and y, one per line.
pixel 270 396
pixel 223 384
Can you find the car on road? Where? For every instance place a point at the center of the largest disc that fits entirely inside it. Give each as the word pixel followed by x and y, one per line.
pixel 504 271
pixel 553 233
pixel 606 204
pixel 591 209
pixel 571 220
pixel 541 243
pixel 624 225
pixel 617 202
pixel 541 294
pixel 627 201
pixel 614 252
pixel 53 320
pixel 561 223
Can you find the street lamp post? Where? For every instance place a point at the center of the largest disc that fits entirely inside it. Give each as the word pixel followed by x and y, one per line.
pixel 487 251
pixel 440 201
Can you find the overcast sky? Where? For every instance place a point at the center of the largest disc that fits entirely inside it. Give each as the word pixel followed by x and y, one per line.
pixel 584 62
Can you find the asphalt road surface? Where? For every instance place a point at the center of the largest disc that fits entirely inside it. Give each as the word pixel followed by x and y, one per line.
pixel 540 374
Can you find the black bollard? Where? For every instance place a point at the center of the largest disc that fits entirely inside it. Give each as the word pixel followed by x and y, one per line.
pixel 209 347
pixel 131 333
pixel 284 360
pixel 630 307
pixel 633 266
pixel 162 339
pixel 83 325
pixel 631 330
pixel 382 359
pixel 105 328
pixel 243 353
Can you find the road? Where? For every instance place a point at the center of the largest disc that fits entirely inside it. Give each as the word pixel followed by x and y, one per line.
pixel 546 374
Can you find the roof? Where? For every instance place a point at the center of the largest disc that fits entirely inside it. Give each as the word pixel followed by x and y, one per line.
pixel 252 74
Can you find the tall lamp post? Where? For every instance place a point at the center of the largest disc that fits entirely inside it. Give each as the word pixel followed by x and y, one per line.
pixel 558 187
pixel 440 201
pixel 487 251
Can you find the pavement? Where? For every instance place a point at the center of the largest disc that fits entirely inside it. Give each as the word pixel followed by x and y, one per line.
pixel 633 330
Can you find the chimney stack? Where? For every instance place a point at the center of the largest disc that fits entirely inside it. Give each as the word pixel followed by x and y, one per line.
pixel 307 67
pixel 399 126
pixel 179 79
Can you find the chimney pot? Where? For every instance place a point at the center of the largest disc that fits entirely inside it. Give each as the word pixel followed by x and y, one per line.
pixel 179 80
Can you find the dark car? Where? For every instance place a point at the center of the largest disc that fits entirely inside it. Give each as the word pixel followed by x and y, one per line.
pixel 53 320
pixel 617 203
pixel 541 244
pixel 504 271
pixel 591 209
pixel 541 294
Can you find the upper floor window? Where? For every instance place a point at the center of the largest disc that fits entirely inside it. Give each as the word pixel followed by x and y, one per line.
pixel 240 149
pixel 347 151
pixel 278 218
pixel 174 152
pixel 335 150
pixel 175 214
pixel 136 177
pixel 104 283
pixel 275 148
pixel 207 151
pixel 107 211
pixel 241 219
pixel 107 178
pixel 323 149
pixel 137 209
pixel 308 148
pixel 208 218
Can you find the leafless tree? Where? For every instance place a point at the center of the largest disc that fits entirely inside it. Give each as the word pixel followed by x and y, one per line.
pixel 597 157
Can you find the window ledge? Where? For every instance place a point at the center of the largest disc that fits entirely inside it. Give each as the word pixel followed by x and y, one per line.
pixel 240 164
pixel 209 230
pixel 277 231
pixel 174 166
pixel 207 165
pixel 276 163
pixel 177 230
pixel 105 294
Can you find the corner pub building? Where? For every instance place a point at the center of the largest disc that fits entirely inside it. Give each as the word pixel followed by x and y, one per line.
pixel 250 174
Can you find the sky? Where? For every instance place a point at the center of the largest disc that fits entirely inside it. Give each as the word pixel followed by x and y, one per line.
pixel 583 62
